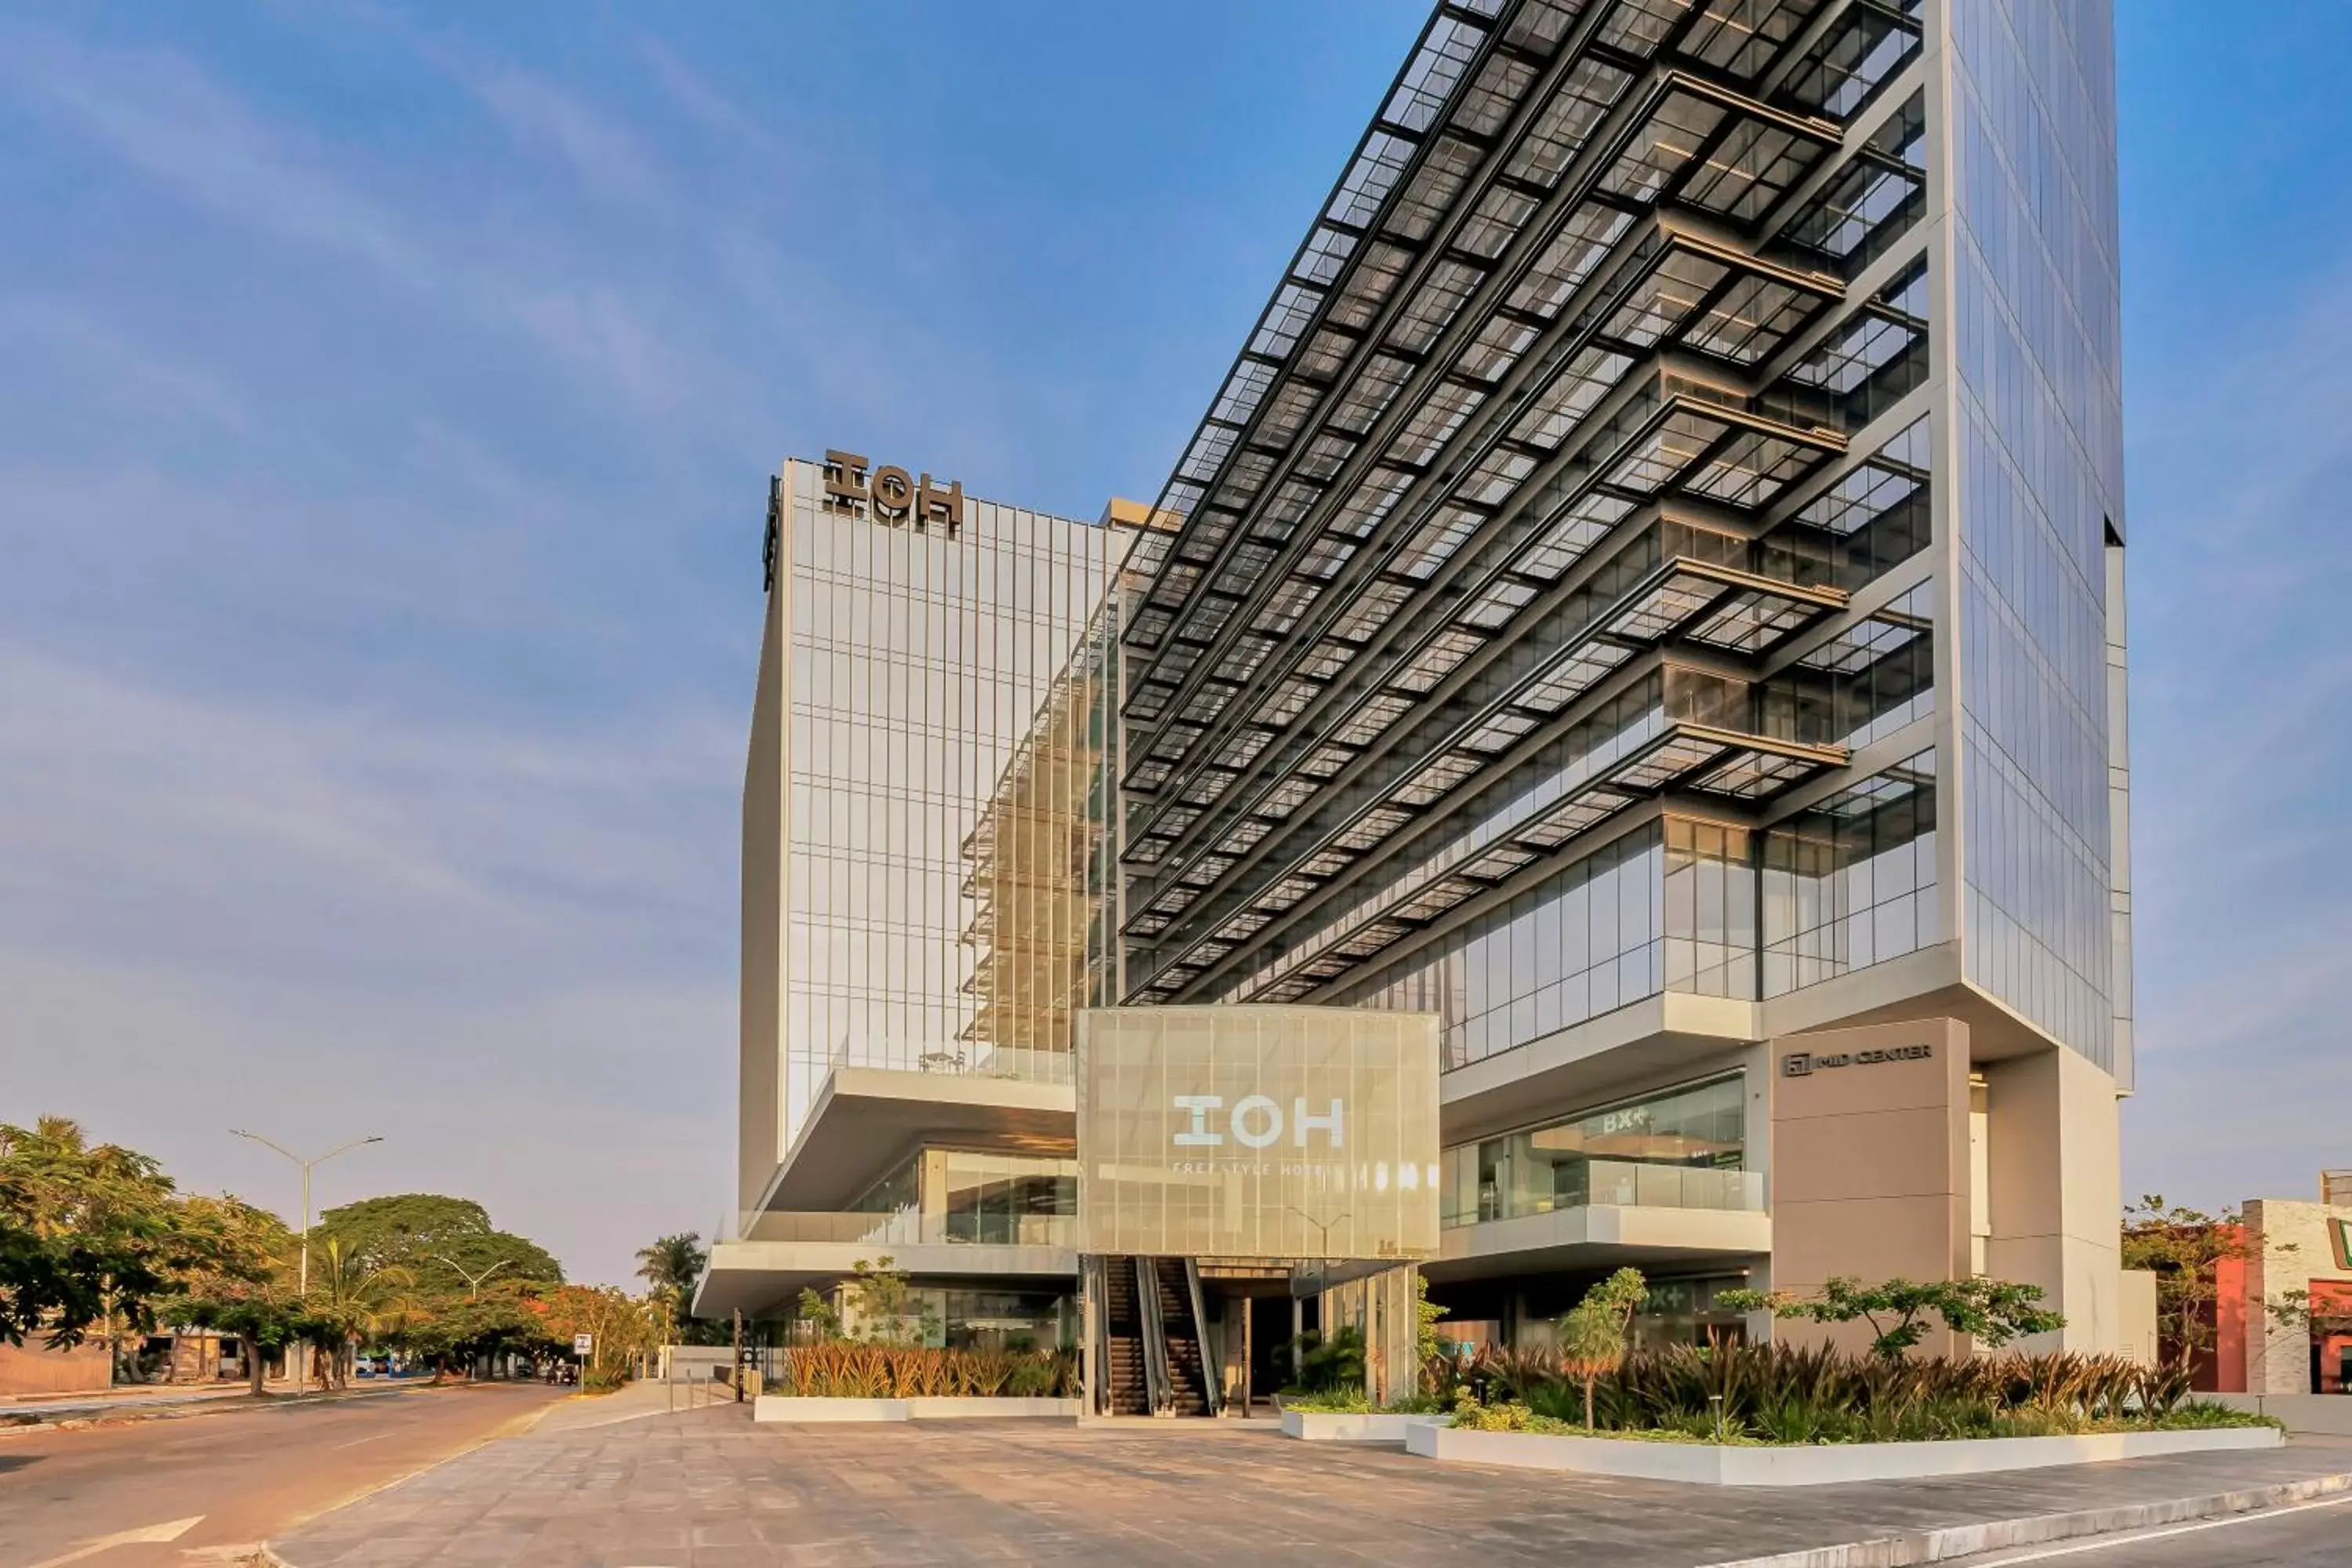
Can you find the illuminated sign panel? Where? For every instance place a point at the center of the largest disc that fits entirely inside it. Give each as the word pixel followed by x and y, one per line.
pixel 1250 1132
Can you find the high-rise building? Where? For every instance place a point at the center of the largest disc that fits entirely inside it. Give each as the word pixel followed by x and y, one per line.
pixel 907 962
pixel 1649 593
pixel 1650 587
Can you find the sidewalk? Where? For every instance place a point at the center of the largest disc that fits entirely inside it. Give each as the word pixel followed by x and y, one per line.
pixel 706 1489
pixel 143 1400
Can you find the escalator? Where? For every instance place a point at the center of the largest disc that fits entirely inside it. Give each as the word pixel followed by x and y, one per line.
pixel 1180 1332
pixel 1127 1388
pixel 1157 1358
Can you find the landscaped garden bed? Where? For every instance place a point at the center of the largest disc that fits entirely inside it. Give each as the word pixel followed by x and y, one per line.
pixel 1739 1414
pixel 849 1381
pixel 1749 1463
pixel 1734 1414
pixel 1348 1415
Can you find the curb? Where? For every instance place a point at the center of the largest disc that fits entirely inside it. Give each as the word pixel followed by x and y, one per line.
pixel 18 1420
pixel 1968 1540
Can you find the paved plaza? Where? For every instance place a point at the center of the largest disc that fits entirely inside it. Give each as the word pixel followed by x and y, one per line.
pixel 706 1489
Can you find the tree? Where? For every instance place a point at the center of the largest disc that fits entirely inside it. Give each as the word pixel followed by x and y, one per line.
pixel 350 1300
pixel 497 1317
pixel 2184 1248
pixel 1592 1334
pixel 621 1328
pixel 244 1288
pixel 90 1235
pixel 1992 1311
pixel 821 1322
pixel 671 1268
pixel 881 1300
pixel 446 1245
pixel 1426 1315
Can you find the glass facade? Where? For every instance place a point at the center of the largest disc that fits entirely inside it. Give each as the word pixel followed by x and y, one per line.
pixel 1543 561
pixel 1680 1148
pixel 1557 616
pixel 2037 405
pixel 918 664
pixel 939 1194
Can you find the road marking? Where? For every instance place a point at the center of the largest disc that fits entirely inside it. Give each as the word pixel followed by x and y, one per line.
pixel 2254 1516
pixel 153 1533
pixel 371 1437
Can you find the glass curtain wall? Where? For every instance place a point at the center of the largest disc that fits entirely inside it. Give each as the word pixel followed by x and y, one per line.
pixel 1682 1148
pixel 919 661
pixel 1038 873
pixel 2038 405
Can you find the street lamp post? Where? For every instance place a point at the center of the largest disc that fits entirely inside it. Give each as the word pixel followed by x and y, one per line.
pixel 308 1165
pixel 473 1281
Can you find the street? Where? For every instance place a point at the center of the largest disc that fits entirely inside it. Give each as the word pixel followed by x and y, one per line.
pixel 239 1477
pixel 2302 1535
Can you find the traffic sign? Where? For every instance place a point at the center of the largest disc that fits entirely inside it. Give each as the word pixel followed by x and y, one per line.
pixel 582 1344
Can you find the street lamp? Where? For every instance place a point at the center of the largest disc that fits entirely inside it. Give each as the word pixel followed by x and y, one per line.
pixel 307 1166
pixel 473 1281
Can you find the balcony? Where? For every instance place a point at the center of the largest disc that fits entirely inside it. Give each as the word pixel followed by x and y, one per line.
pixel 1612 1183
pixel 1621 1212
pixel 912 1229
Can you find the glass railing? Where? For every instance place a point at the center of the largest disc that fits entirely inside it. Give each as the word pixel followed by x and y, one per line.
pixel 913 1229
pixel 1612 1183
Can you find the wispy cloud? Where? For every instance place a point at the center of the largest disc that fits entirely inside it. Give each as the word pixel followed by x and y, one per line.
pixel 109 363
pixel 726 122
pixel 166 117
pixel 599 151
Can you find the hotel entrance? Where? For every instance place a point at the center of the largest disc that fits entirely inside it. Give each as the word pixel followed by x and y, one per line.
pixel 1246 1173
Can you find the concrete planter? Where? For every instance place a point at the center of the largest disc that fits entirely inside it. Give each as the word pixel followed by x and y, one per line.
pixel 2329 1414
pixel 1349 1426
pixel 1708 1465
pixel 791 1409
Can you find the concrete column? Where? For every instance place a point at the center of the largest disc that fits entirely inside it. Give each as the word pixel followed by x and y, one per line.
pixel 2054 1185
pixel 1870 1164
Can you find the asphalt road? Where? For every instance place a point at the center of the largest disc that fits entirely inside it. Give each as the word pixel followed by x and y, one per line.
pixel 2300 1535
pixel 239 1477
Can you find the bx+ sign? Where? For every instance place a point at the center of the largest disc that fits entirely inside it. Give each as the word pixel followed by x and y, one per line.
pixel 891 495
pixel 1797 1064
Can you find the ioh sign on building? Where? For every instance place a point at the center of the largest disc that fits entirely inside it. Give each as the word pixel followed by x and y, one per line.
pixel 1250 1132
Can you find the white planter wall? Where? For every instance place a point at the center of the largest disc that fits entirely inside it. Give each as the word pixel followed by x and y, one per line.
pixel 1709 1464
pixel 2325 1413
pixel 785 1407
pixel 1334 1426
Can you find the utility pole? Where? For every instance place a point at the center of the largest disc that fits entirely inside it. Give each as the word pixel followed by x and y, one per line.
pixel 308 1166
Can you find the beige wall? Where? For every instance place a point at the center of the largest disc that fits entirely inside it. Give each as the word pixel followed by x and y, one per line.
pixel 36 1369
pixel 2295 1250
pixel 2054 1187
pixel 1870 1165
pixel 765 769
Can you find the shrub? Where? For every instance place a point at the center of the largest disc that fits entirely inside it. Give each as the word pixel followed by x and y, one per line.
pixel 853 1370
pixel 1782 1393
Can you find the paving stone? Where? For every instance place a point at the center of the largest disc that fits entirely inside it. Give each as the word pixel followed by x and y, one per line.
pixel 707 1488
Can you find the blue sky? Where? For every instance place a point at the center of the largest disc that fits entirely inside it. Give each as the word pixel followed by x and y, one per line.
pixel 385 403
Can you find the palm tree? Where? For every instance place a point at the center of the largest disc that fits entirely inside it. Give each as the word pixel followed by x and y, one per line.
pixel 671 1265
pixel 349 1300
pixel 669 1268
